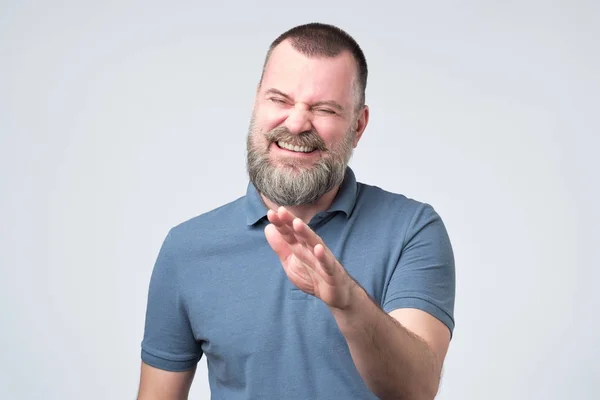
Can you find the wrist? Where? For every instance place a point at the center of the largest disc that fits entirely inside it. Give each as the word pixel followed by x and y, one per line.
pixel 357 297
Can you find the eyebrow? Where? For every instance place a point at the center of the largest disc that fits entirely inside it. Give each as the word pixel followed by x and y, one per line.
pixel 330 103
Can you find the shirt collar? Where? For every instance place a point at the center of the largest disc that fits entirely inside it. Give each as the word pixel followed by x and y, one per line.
pixel 344 200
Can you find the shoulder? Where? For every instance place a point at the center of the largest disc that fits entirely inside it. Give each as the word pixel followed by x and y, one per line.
pixel 398 206
pixel 398 215
pixel 208 226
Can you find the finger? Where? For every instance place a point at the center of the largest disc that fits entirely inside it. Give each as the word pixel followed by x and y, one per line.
pixel 307 235
pixel 298 273
pixel 320 250
pixel 273 217
pixel 286 216
pixel 321 263
pixel 286 232
pixel 305 256
pixel 276 220
pixel 277 242
pixel 326 259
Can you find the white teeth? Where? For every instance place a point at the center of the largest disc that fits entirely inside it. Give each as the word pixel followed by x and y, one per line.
pixel 299 149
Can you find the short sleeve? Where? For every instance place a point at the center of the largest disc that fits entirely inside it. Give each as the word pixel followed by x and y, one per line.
pixel 424 277
pixel 168 342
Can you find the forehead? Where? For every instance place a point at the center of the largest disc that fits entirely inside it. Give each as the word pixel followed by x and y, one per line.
pixel 310 79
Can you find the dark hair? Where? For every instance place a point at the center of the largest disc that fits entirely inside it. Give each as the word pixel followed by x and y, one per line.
pixel 318 39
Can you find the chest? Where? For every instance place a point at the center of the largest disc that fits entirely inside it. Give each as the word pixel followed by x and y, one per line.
pixel 241 304
pixel 253 322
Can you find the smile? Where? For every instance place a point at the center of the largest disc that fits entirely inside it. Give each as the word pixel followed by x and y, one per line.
pixel 297 149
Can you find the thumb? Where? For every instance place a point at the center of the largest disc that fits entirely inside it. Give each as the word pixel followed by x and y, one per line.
pixel 277 243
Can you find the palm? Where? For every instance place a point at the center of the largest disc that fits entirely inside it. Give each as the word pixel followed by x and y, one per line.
pixel 299 274
pixel 309 265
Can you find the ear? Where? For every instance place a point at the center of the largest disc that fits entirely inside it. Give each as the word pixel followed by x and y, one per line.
pixel 361 124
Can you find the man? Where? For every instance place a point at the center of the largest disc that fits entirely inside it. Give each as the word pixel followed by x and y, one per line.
pixel 312 285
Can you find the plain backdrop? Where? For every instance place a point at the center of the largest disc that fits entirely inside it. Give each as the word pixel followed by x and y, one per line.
pixel 119 120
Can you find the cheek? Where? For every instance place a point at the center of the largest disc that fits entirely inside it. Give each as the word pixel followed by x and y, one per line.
pixel 268 118
pixel 332 132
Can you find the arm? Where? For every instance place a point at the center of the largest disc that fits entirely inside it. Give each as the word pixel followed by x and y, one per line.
pixel 403 351
pixel 399 355
pixel 400 352
pixel 170 351
pixel 157 384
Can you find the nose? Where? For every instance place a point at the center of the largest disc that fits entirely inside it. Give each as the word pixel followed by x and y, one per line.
pixel 299 120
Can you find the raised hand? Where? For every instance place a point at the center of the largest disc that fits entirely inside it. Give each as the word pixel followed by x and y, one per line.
pixel 306 260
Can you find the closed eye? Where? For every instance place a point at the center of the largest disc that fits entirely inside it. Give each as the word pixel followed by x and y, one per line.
pixel 326 111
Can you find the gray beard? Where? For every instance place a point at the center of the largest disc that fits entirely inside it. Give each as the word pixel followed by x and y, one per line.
pixel 294 185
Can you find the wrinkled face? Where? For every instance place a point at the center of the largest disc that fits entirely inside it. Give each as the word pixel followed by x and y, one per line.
pixel 303 126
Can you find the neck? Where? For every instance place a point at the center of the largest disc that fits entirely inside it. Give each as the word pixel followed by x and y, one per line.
pixel 308 211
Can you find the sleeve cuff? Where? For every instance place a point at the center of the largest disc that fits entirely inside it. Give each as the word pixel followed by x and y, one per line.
pixel 421 304
pixel 166 364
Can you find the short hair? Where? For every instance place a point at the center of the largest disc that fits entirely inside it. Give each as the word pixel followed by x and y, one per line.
pixel 323 40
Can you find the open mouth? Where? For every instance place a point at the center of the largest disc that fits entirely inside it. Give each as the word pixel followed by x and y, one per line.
pixel 296 149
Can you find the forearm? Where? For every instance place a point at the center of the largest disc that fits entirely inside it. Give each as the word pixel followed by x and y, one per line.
pixel 393 362
pixel 157 384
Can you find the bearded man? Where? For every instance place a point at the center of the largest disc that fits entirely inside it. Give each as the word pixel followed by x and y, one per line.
pixel 313 285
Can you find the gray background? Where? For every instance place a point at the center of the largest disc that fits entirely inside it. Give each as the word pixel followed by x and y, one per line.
pixel 119 120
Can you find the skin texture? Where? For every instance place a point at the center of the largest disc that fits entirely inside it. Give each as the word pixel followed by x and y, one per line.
pixel 304 94
pixel 156 384
pixel 399 355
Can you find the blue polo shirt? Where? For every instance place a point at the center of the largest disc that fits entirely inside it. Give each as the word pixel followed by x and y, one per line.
pixel 217 289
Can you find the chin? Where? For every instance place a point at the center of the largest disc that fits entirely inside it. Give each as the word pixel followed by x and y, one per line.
pixel 290 165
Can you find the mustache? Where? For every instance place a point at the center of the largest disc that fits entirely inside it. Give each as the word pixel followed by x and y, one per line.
pixel 303 139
